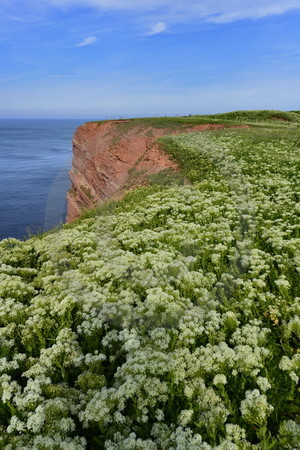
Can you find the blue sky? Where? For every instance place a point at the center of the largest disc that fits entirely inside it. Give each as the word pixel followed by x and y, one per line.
pixel 123 58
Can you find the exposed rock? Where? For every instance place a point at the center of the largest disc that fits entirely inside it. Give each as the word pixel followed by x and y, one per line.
pixel 284 119
pixel 102 156
pixel 104 153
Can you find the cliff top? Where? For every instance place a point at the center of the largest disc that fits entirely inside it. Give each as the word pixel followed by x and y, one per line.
pixel 111 157
pixel 255 117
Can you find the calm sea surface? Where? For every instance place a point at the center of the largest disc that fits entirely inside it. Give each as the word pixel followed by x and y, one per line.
pixel 35 157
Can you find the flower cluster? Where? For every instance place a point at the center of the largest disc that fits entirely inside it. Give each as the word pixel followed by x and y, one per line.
pixel 172 323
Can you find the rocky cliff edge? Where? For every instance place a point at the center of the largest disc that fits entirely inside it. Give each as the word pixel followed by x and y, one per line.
pixel 113 156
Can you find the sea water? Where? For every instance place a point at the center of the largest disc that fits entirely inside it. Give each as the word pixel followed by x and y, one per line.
pixel 35 157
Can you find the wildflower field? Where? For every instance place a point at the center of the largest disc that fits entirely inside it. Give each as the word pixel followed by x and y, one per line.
pixel 169 319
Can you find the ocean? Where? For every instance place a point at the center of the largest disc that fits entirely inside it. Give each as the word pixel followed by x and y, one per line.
pixel 35 157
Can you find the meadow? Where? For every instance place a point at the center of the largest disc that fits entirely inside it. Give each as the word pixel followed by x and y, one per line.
pixel 169 319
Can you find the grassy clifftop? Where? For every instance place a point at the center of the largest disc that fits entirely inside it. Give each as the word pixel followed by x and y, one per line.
pixel 169 319
pixel 259 118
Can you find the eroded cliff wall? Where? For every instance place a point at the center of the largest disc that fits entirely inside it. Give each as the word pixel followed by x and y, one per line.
pixel 113 156
pixel 105 157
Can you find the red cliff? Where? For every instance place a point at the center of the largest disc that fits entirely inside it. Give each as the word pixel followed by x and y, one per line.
pixel 102 156
pixel 105 156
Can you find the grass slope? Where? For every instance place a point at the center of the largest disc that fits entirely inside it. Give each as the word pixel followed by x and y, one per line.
pixel 290 119
pixel 169 319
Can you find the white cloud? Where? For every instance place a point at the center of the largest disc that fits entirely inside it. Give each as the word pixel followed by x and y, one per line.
pixel 174 11
pixel 159 27
pixel 217 11
pixel 248 11
pixel 112 4
pixel 87 41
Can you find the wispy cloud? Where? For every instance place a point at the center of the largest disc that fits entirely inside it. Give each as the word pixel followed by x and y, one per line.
pixel 170 11
pixel 217 11
pixel 159 27
pixel 5 80
pixel 87 41
pixel 248 11
pixel 16 18
pixel 198 67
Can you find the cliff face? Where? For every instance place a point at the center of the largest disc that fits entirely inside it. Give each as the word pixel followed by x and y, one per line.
pixel 113 156
pixel 102 156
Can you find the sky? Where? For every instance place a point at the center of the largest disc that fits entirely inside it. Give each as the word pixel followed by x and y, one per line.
pixel 101 59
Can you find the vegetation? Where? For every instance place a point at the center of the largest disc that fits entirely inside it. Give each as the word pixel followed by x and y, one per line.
pixel 258 116
pixel 169 319
pixel 270 118
pixel 87 192
pixel 167 177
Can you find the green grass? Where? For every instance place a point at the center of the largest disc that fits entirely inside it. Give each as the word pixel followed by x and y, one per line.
pixel 258 116
pixel 167 177
pixel 288 119
pixel 168 319
pixel 87 192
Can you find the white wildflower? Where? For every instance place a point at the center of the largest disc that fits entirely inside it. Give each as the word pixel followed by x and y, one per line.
pixel 219 379
pixel 255 408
